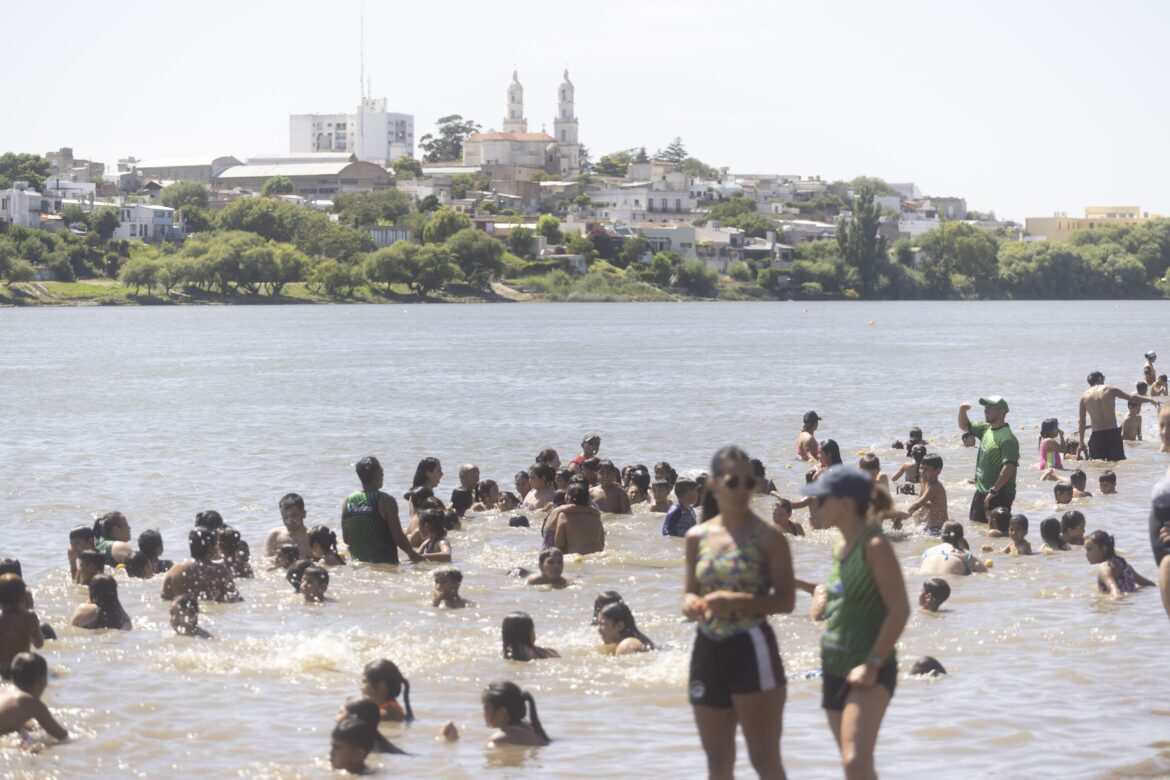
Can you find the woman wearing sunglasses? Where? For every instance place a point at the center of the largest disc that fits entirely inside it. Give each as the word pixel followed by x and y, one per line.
pixel 738 571
pixel 866 612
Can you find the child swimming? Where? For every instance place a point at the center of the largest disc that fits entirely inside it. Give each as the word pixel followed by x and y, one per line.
pixel 552 567
pixel 518 633
pixel 323 546
pixel 935 592
pixel 1114 575
pixel 30 675
pixel 383 683
pixel 350 744
pixel 1072 527
pixel 616 626
pixel 446 594
pixel 1050 533
pixel 434 546
pixel 314 583
pixel 20 628
pixel 365 709
pixel 185 617
pixel 504 709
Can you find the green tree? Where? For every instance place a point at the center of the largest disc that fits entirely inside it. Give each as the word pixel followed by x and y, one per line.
pixel 733 207
pixel 429 203
pixel 195 219
pixel 752 224
pixel 453 130
pixel 640 155
pixel 18 271
pixel 406 167
pixel 697 279
pixel 873 184
pixel 15 167
pixel 675 152
pixel 478 255
pixel 386 206
pixel 337 280
pixel 443 224
pixel 861 246
pixel 104 221
pixel 463 184
pixel 692 166
pixel 141 271
pixel 521 241
pixel 71 214
pixel 184 193
pixel 661 268
pixel 769 279
pixel 435 269
pixel 613 164
pixel 959 248
pixel 277 185
pixel 395 264
pixel 579 244
pixel 583 159
pixel 549 227
pixel 634 248
pixel 740 271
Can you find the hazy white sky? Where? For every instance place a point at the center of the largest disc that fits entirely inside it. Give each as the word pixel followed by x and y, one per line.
pixel 1022 107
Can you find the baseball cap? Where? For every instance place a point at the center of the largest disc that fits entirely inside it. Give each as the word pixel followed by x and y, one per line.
pixel 811 417
pixel 841 480
pixel 1151 355
pixel 995 400
pixel 590 438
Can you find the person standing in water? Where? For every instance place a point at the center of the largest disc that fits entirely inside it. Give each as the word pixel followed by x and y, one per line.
pixel 1098 408
pixel 738 571
pixel 590 446
pixel 1159 522
pixel 369 519
pixel 998 459
pixel 806 442
pixel 866 612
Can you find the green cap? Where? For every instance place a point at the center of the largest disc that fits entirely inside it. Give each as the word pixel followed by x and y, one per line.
pixel 995 400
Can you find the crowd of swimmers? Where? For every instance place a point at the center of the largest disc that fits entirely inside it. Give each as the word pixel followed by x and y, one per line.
pixel 738 570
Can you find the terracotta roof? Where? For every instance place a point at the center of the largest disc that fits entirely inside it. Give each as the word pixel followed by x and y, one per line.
pixel 512 137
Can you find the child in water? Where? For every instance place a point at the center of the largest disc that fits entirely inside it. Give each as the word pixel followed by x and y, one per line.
pixel 935 592
pixel 1131 426
pixel 185 617
pixel 90 563
pixel 30 675
pixel 518 633
pixel 931 507
pixel 1079 481
pixel 998 522
pixel 552 567
pixel 680 518
pixel 350 744
pixel 504 706
pixel 1017 534
pixel 81 539
pixel 615 625
pixel 659 495
pixel 20 628
pixel 1107 483
pixel 1051 534
pixel 314 583
pixel 434 546
pixel 1062 492
pixel 383 683
pixel 446 593
pixel 1114 575
pixel 365 709
pixel 1072 527
pixel 323 546
pixel 782 518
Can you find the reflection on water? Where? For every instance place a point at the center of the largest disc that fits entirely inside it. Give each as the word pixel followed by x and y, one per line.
pixel 164 412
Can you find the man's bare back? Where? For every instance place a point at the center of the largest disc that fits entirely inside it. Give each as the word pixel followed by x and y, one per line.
pixel 19 632
pixel 281 536
pixel 579 530
pixel 1100 403
pixel 205 580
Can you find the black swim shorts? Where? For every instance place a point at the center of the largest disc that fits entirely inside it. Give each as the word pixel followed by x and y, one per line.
pixel 1106 445
pixel 834 690
pixel 744 663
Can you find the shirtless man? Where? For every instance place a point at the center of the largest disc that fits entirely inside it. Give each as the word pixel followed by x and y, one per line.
pixel 1098 404
pixel 577 525
pixel 20 628
pixel 200 576
pixel 292 514
pixel 806 443
pixel 608 494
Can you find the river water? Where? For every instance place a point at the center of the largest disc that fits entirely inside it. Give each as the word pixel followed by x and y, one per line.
pixel 161 412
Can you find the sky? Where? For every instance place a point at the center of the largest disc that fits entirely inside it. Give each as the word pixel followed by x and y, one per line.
pixel 1024 108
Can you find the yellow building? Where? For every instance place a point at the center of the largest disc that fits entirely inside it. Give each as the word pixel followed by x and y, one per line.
pixel 1060 226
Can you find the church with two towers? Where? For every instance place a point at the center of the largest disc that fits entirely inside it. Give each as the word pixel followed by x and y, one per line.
pixel 559 153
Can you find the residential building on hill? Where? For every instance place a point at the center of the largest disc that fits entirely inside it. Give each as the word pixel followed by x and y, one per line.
pixel 20 205
pixel 313 181
pixel 1060 226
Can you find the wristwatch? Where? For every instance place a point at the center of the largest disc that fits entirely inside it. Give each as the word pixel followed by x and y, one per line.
pixel 874 660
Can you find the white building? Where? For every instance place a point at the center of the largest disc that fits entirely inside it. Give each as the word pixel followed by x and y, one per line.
pixel 58 186
pixel 515 146
pixel 372 133
pixel 20 205
pixel 145 222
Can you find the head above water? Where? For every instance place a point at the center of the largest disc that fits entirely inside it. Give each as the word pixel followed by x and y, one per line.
pixel 927 666
pixel 811 420
pixel 517 632
pixel 938 589
pixel 385 679
pixel 995 408
pixel 603 599
pixel 427 473
pixel 369 472
pixel 1103 542
pixel 509 698
pixel 952 533
pixel 29 672
pixel 1049 428
pixel 731 482
pixel 830 452
pixel 201 541
pixel 209 519
pixel 1095 378
pixel 1050 531
pixel 1000 518
pixel 351 741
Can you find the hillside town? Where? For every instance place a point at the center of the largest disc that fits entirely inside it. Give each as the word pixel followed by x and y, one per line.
pixel 748 227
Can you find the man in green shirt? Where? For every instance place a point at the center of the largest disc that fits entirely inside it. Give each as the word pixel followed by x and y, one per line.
pixel 998 460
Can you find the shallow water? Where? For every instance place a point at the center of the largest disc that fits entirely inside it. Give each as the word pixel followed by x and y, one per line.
pixel 161 412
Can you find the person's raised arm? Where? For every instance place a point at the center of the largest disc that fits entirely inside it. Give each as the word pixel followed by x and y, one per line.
pixel 964 420
pixel 41 714
pixel 693 605
pixel 388 508
pixel 1117 392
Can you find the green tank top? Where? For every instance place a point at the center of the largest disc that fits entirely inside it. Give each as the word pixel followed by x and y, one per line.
pixel 741 569
pixel 854 613
pixel 364 531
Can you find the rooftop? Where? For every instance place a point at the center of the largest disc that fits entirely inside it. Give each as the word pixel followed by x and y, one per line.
pixel 292 169
pixel 545 137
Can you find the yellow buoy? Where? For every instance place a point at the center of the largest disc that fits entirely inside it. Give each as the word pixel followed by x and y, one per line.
pixel 990 563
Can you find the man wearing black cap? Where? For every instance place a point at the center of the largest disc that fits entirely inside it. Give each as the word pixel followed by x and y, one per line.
pixel 806 443
pixel 1098 408
pixel 998 459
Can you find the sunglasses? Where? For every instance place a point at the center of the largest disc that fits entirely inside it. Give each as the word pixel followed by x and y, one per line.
pixel 732 482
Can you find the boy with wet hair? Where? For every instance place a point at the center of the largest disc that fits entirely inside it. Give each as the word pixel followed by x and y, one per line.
pixel 1072 527
pixel 680 518
pixel 292 529
pixel 660 495
pixel 448 579
pixel 1063 492
pixel 935 591
pixel 1079 481
pixel 30 675
pixel 351 741
pixel 931 506
pixel 20 628
pixel 782 518
pixel 1131 425
pixel 999 521
pixel 1017 533
pixel 1107 482
pixel 314 583
pixel 81 539
pixel 90 563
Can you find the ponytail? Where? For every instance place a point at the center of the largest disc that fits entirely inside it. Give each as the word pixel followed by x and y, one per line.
pixel 406 698
pixel 533 718
pixel 710 505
